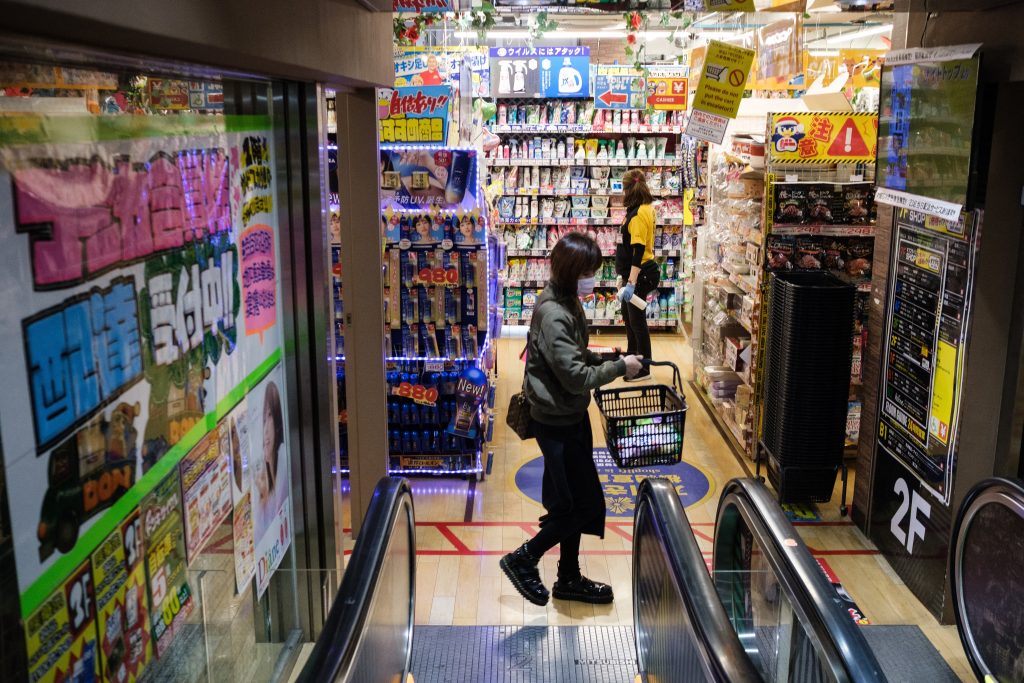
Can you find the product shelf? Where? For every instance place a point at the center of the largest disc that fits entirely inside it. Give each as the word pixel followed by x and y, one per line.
pixel 672 221
pixel 584 129
pixel 624 162
pixel 552 192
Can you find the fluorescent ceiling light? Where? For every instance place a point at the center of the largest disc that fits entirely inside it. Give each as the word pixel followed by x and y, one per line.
pixel 564 35
pixel 853 35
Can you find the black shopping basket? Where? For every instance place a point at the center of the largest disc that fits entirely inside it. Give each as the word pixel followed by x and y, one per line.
pixel 644 426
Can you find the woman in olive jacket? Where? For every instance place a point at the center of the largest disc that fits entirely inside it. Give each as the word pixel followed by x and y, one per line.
pixel 560 374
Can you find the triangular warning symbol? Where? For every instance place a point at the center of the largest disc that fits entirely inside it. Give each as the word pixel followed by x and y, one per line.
pixel 849 142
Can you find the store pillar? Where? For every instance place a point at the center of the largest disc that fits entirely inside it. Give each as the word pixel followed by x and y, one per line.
pixel 361 263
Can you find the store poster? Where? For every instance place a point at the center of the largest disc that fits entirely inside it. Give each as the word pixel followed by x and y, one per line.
pixel 722 82
pixel 240 440
pixel 923 348
pixel 170 595
pixel 822 138
pixel 729 6
pixel 417 178
pixel 168 94
pixel 540 72
pixel 668 88
pixel 271 479
pixel 206 489
pixel 414 115
pixel 619 87
pixel 443 66
pixel 126 309
pixel 60 634
pixel 125 642
pixel 779 56
pixel 422 6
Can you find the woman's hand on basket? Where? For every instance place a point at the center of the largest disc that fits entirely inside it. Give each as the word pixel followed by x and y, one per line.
pixel 633 366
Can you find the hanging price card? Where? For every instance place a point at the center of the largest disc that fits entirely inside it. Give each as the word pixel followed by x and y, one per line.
pixel 426 396
pixel 439 277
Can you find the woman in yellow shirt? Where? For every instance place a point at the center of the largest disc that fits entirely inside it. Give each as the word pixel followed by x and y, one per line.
pixel 634 261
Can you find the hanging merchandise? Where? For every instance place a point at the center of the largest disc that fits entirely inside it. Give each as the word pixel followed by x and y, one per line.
pixel 540 72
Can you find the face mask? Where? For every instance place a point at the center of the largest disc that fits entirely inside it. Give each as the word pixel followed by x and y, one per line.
pixel 585 286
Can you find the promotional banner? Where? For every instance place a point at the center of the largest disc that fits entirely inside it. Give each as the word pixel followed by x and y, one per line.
pixel 60 635
pixel 443 66
pixel 414 115
pixel 469 396
pixel 240 440
pixel 822 138
pixel 779 58
pixel 422 6
pixel 445 179
pixel 722 82
pixel 138 284
pixel 863 67
pixel 271 478
pixel 540 72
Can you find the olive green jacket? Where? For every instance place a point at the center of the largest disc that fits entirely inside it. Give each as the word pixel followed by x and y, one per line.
pixel 560 370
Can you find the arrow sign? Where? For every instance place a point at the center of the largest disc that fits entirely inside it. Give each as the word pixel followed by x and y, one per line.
pixel 610 98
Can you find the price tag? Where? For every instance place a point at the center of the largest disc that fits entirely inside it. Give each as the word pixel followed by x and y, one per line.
pixel 440 277
pixel 433 366
pixel 420 394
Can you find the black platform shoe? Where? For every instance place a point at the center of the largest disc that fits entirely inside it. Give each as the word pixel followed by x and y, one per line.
pixel 521 569
pixel 582 589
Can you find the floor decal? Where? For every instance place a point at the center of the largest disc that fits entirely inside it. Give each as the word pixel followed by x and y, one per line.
pixel 620 486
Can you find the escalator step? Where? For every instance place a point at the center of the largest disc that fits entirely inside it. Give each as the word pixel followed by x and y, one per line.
pixel 524 654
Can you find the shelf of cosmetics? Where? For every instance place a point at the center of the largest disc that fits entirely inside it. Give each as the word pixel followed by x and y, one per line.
pixel 587 210
pixel 580 116
pixel 600 309
pixel 442 230
pixel 339 301
pixel 522 271
pixel 421 427
pixel 578 180
pixel 538 240
pixel 574 150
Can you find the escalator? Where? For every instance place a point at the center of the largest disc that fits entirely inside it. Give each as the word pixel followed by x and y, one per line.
pixel 765 613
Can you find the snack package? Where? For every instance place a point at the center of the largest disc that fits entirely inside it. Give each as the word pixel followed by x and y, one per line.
pixel 790 203
pixel 809 253
pixel 858 203
pixel 859 253
pixel 835 255
pixel 780 252
pixel 819 205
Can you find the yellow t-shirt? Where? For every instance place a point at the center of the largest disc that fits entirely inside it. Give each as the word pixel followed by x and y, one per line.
pixel 641 230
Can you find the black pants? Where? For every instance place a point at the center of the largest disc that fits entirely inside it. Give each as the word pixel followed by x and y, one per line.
pixel 571 493
pixel 638 337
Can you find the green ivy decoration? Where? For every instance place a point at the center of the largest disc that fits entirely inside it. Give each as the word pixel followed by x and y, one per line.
pixel 539 24
pixel 408 31
pixel 479 20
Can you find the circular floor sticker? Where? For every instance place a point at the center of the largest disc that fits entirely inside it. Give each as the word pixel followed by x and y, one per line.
pixel 620 486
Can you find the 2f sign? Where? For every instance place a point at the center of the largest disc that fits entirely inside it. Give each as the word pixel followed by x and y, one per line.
pixel 915 504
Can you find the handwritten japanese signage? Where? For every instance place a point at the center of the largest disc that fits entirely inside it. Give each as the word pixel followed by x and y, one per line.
pixel 135 312
pixel 414 115
pixel 822 138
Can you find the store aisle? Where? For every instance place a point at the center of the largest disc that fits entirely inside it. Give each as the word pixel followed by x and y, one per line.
pixel 465 527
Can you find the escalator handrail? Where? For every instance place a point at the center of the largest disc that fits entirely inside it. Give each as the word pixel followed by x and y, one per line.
pixel 844 648
pixel 335 650
pixel 720 647
pixel 995 490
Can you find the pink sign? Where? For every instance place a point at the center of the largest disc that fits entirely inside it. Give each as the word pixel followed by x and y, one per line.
pixel 259 280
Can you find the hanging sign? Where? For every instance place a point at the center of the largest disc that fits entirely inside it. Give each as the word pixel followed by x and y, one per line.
pixel 421 178
pixel 822 138
pixel 414 115
pixel 421 6
pixel 618 87
pixel 443 66
pixel 720 90
pixel 668 88
pixel 168 94
pixel 540 72
pixel 729 6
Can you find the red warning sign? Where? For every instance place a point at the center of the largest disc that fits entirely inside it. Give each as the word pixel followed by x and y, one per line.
pixel 849 142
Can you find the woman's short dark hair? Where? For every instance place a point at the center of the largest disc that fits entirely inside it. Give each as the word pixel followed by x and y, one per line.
pixel 574 256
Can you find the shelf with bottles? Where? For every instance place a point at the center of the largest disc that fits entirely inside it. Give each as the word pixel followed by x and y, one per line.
pixel 602 309
pixel 575 115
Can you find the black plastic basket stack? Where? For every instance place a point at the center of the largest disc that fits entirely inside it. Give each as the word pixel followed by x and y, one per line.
pixel 807 383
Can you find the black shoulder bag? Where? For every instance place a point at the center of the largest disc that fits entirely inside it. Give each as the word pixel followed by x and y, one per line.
pixel 624 249
pixel 518 414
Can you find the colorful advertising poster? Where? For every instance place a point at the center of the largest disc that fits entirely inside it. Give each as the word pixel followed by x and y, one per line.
pixel 729 6
pixel 271 479
pixel 170 595
pixel 415 115
pixel 205 95
pixel 540 72
pixel 443 66
pixel 206 489
pixel 668 88
pixel 126 311
pixel 240 442
pixel 121 608
pixel 722 82
pixel 168 94
pixel 445 179
pixel 779 58
pixel 60 634
pixel 421 6
pixel 619 87
pixel 822 138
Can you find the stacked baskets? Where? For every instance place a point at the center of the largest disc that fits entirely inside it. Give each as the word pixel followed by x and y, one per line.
pixel 807 382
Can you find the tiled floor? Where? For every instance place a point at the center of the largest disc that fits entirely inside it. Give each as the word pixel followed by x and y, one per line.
pixel 464 527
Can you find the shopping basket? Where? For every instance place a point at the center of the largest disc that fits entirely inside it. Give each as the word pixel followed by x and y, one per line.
pixel 644 426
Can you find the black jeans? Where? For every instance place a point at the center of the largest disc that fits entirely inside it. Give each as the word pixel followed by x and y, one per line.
pixel 571 493
pixel 638 337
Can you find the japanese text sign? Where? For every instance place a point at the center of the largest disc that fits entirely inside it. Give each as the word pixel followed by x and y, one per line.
pixel 668 88
pixel 619 87
pixel 540 72
pixel 422 6
pixel 414 115
pixel 720 90
pixel 822 138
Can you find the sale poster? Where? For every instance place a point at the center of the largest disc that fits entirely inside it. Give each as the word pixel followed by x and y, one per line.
pixel 443 66
pixel 240 442
pixel 136 312
pixel 170 595
pixel 271 480
pixel 444 179
pixel 124 638
pixel 60 635
pixel 414 115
